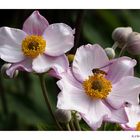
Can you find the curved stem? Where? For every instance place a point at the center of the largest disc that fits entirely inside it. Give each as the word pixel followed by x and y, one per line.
pixel 115 45
pixel 45 94
pixel 3 99
pixel 122 51
pixel 76 121
pixel 72 125
pixel 68 127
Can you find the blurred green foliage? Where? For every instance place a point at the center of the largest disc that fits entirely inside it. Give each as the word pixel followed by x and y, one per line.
pixel 26 108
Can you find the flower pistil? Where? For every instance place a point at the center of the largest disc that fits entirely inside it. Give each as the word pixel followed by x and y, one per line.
pixel 97 86
pixel 33 45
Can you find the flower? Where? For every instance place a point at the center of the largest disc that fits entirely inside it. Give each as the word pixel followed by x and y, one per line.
pixel 37 47
pixel 133 113
pixel 94 83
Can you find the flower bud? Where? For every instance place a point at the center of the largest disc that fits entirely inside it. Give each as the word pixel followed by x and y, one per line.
pixel 70 57
pixel 121 34
pixel 3 71
pixel 63 116
pixel 133 43
pixel 78 116
pixel 110 53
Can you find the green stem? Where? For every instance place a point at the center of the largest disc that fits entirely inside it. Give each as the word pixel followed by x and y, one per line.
pixel 76 122
pixel 122 51
pixel 68 127
pixel 115 45
pixel 3 98
pixel 72 125
pixel 45 94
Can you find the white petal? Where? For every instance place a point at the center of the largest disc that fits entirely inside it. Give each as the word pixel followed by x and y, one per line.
pixel 133 113
pixel 71 97
pixel 86 59
pixel 126 90
pixel 120 68
pixel 35 24
pixel 25 65
pixel 43 63
pixel 59 39
pixel 117 115
pixel 10 44
pixel 96 113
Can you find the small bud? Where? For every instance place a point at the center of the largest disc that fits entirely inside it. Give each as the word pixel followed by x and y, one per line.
pixel 121 34
pixel 63 116
pixel 110 53
pixel 3 71
pixel 133 43
pixel 70 57
pixel 78 116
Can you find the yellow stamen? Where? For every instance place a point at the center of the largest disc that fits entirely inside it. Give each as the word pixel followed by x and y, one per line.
pixel 138 126
pixel 97 86
pixel 33 45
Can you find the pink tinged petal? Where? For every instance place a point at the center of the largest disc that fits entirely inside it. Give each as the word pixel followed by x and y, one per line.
pixel 87 58
pixel 71 97
pixel 133 113
pixel 53 73
pixel 125 127
pixel 43 63
pixel 59 39
pixel 120 68
pixel 97 112
pixel 35 24
pixel 25 65
pixel 126 90
pixel 10 44
pixel 117 115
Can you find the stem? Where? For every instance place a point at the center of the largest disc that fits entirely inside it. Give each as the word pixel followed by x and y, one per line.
pixel 78 27
pixel 68 127
pixel 77 125
pixel 72 125
pixel 115 45
pixel 3 99
pixel 45 94
pixel 122 50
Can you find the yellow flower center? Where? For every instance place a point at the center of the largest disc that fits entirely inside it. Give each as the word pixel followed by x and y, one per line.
pixel 138 126
pixel 33 45
pixel 97 86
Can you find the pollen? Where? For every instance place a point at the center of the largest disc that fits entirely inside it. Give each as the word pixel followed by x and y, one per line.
pixel 97 86
pixel 138 126
pixel 33 45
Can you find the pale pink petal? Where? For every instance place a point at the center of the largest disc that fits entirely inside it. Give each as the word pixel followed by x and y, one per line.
pixel 10 44
pixel 120 68
pixel 97 112
pixel 35 24
pixel 53 73
pixel 43 63
pixel 71 97
pixel 25 65
pixel 117 115
pixel 133 113
pixel 126 90
pixel 87 58
pixel 59 39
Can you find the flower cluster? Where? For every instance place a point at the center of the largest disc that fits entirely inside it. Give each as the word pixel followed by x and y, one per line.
pixel 95 85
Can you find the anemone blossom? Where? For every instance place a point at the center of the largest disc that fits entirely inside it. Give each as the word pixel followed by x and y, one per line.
pixel 37 47
pixel 98 88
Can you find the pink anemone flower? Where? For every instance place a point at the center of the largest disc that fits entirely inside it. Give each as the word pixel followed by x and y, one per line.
pixel 98 88
pixel 37 47
pixel 133 113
